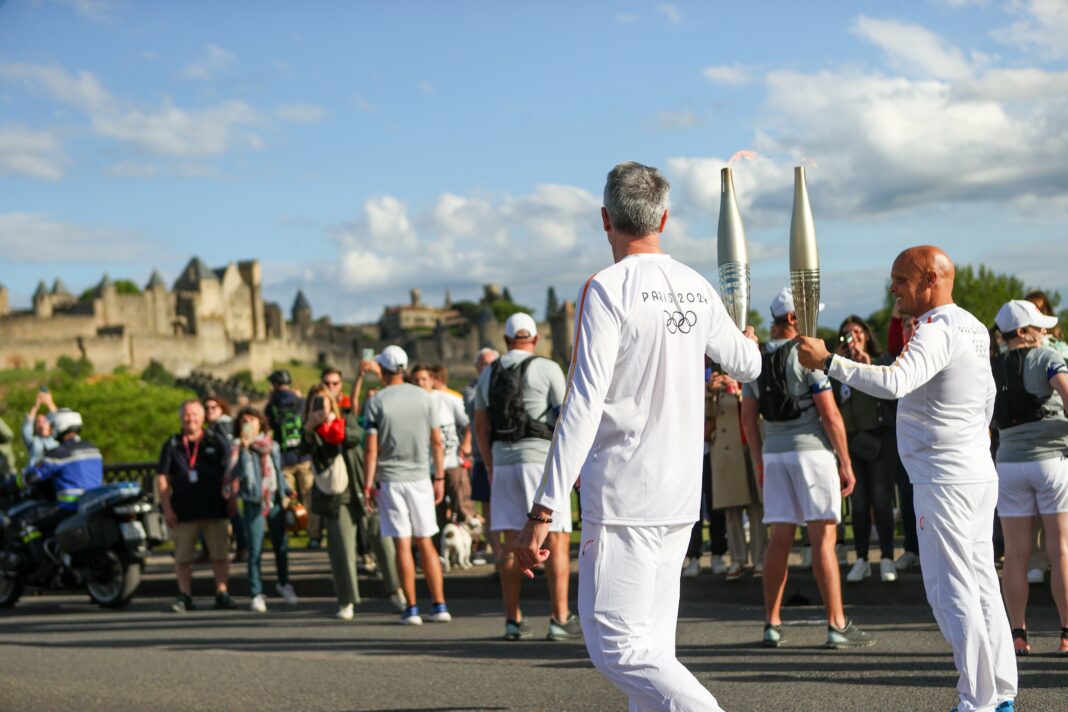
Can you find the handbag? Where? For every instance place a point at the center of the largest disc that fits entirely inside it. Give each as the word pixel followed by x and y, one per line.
pixel 865 446
pixel 335 478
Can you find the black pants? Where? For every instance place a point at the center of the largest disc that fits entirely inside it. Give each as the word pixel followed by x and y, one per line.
pixel 717 520
pixel 875 492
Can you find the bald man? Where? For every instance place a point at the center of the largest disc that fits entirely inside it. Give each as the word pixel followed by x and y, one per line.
pixel 946 391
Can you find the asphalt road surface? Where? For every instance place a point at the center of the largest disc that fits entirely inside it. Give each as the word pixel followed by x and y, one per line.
pixel 61 653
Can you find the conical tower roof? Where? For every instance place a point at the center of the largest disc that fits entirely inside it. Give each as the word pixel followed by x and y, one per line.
pixel 301 302
pixel 156 280
pixel 41 291
pixel 59 289
pixel 194 273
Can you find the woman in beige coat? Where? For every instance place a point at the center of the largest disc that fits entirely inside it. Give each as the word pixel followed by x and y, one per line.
pixel 734 486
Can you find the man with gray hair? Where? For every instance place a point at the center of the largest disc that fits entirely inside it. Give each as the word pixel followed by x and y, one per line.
pixel 632 427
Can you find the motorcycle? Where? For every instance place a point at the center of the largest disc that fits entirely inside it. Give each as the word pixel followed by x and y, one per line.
pixel 101 548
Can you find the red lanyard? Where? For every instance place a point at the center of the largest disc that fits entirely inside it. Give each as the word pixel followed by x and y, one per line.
pixel 192 457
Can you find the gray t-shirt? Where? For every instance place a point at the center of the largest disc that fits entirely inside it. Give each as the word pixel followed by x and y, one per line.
pixel 806 432
pixel 543 393
pixel 402 416
pixel 1043 439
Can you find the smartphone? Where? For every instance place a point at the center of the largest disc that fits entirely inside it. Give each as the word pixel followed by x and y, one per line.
pixel 43 389
pixel 317 403
pixel 368 354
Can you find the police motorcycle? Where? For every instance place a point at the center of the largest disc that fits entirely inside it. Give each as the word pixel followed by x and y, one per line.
pixel 100 547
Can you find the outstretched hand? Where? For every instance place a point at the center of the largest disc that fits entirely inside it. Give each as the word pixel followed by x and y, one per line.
pixel 527 547
pixel 811 352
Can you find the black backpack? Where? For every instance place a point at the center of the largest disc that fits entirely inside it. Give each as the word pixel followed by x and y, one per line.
pixel 290 425
pixel 776 401
pixel 1014 405
pixel 507 413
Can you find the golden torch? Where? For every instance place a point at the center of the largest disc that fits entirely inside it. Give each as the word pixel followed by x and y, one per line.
pixel 733 253
pixel 804 259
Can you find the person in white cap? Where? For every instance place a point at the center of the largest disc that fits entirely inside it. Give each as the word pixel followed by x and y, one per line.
pixel 402 420
pixel 946 393
pixel 1032 459
pixel 516 403
pixel 795 461
pixel 632 426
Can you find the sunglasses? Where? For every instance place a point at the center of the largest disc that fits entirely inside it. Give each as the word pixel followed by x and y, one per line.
pixel 332 383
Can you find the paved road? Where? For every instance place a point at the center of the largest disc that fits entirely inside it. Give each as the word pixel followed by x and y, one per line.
pixel 60 653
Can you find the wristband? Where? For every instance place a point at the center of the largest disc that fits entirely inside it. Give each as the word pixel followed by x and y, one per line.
pixel 438 479
pixel 827 363
pixel 541 520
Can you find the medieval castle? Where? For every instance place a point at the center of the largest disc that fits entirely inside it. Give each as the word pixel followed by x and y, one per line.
pixel 216 320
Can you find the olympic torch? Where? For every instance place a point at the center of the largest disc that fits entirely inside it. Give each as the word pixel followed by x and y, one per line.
pixel 804 259
pixel 733 253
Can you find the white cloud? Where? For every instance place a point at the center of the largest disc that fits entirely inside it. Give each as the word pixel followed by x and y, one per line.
pixel 93 9
pixel 363 104
pixel 35 237
pixel 1042 24
pixel 36 154
pixel 914 49
pixel 299 113
pixel 731 75
pixel 166 130
pixel 426 87
pixel 671 12
pixel 212 61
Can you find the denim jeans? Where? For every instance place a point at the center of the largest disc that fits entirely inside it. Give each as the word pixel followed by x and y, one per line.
pixel 275 525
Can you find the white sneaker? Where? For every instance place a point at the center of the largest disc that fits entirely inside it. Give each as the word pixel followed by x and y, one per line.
pixel 906 561
pixel 345 613
pixel 806 557
pixel 860 571
pixel 285 590
pixel 887 570
pixel 734 572
pixel 1036 576
pixel 718 565
pixel 398 600
pixel 259 603
pixel 692 569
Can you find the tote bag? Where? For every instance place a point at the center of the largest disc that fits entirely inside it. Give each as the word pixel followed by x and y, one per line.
pixel 335 478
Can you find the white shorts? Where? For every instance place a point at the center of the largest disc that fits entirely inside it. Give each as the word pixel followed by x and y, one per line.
pixel 406 509
pixel 512 496
pixel 801 486
pixel 1029 488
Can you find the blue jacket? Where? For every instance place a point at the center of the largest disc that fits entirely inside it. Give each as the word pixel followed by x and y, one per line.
pixel 73 467
pixel 249 472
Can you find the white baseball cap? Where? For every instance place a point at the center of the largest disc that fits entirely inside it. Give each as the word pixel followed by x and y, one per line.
pixel 520 321
pixel 1020 313
pixel 783 303
pixel 393 358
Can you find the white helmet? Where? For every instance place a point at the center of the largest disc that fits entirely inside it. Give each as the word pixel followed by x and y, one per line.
pixel 66 419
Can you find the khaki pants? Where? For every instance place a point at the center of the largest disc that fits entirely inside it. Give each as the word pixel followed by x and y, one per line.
pixel 301 479
pixel 215 537
pixel 458 491
pixel 758 540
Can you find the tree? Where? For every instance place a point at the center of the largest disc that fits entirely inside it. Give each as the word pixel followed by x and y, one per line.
pixel 982 291
pixel 756 320
pixel 506 295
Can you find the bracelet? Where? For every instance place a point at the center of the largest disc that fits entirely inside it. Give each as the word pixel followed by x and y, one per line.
pixel 541 520
pixel 438 479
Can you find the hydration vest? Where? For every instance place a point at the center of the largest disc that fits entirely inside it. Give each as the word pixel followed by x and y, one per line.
pixel 776 401
pixel 507 412
pixel 1014 404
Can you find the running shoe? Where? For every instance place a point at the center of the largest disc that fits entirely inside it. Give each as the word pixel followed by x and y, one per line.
pixel 734 573
pixel 718 565
pixel 345 613
pixel 1006 706
pixel 223 602
pixel 1019 642
pixel 1063 649
pixel 285 590
pixel 860 571
pixel 773 635
pixel 907 561
pixel 183 603
pixel 259 603
pixel 692 569
pixel 848 637
pixel 516 630
pixel 887 570
pixel 567 630
pixel 411 616
pixel 440 613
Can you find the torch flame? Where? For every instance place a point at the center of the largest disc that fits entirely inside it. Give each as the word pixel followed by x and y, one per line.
pixel 808 162
pixel 744 153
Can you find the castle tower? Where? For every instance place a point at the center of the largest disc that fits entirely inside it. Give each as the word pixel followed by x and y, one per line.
pixel 5 305
pixel 156 298
pixel 42 301
pixel 61 296
pixel 302 314
pixel 252 275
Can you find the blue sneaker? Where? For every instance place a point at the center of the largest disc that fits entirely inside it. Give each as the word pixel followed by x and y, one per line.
pixel 411 616
pixel 440 613
pixel 1006 706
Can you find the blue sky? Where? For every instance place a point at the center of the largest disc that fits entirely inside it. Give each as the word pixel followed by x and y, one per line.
pixel 359 149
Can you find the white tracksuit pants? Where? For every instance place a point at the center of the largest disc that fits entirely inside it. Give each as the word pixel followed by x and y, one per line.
pixel 629 607
pixel 954 524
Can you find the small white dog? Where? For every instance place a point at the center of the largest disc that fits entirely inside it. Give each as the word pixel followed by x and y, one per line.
pixel 455 546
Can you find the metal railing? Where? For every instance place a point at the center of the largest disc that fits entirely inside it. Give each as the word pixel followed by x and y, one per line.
pixel 143 472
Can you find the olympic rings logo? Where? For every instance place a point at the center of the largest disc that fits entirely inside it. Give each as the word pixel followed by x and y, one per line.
pixel 679 322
